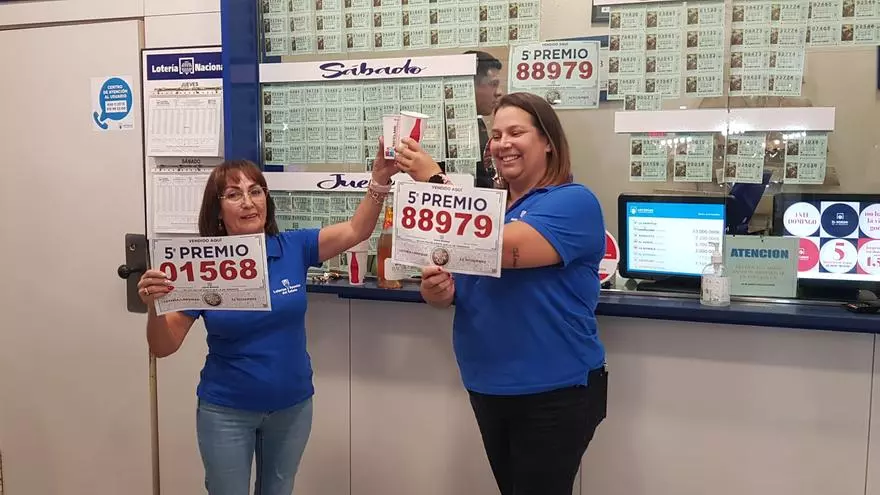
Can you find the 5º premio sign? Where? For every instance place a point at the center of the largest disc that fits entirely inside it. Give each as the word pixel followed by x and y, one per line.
pixel 216 273
pixel 565 73
pixel 453 227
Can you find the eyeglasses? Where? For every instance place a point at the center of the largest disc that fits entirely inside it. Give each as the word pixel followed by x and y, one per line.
pixel 256 193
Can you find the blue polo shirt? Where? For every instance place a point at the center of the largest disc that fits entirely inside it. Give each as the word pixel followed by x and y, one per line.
pixel 534 330
pixel 257 360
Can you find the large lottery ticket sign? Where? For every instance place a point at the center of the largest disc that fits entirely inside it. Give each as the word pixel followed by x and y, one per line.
pixel 566 73
pixel 217 273
pixel 456 228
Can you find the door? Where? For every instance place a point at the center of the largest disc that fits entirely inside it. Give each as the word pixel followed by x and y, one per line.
pixel 74 415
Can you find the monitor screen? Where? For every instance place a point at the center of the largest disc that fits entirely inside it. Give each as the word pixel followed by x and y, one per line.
pixel 670 236
pixel 839 234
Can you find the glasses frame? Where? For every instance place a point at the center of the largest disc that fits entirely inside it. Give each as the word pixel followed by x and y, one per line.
pixel 246 194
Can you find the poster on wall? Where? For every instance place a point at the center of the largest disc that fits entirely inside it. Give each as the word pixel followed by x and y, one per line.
pixel 111 103
pixel 565 73
pixel 183 101
pixel 183 125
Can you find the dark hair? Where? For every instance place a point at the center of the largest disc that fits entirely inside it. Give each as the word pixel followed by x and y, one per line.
pixel 231 172
pixel 485 62
pixel 547 123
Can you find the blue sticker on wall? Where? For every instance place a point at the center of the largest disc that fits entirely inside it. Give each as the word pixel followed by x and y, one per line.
pixel 112 103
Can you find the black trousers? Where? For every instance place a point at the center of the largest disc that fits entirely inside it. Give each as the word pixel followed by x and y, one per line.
pixel 535 442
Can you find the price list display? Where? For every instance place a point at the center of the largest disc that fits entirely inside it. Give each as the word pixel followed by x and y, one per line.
pixel 673 238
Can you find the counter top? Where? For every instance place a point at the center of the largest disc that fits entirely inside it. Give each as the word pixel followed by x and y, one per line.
pixel 634 305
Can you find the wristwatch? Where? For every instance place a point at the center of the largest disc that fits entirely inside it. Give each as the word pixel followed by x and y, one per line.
pixel 439 179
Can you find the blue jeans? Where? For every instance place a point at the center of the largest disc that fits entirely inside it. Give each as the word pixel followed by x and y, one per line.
pixel 229 438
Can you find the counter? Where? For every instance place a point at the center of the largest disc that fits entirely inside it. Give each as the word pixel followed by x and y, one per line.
pixel 803 315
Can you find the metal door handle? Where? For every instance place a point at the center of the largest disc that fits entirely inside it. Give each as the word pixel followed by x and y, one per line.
pixel 136 261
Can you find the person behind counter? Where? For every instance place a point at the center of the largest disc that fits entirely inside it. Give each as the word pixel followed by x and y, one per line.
pixel 487 92
pixel 255 393
pixel 526 343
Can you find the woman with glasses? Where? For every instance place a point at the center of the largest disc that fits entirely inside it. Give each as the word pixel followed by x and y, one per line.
pixel 527 343
pixel 255 392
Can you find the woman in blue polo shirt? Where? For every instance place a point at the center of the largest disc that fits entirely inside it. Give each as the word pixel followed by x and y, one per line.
pixel 527 343
pixel 254 396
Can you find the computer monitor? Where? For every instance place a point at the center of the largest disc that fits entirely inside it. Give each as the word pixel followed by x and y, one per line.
pixel 839 237
pixel 668 238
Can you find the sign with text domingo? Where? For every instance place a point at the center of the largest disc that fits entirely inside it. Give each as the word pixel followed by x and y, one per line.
pixel 215 273
pixel 370 69
pixel 456 228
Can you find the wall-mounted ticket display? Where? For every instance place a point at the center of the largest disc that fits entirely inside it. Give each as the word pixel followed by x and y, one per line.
pixel 565 73
pixel 843 23
pixel 767 46
pixel 333 112
pixel 660 47
pixel 648 158
pixel 805 157
pixel 303 27
pixel 745 158
pixel 216 273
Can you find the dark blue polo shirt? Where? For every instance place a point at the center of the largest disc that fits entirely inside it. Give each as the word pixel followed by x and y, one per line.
pixel 257 360
pixel 534 330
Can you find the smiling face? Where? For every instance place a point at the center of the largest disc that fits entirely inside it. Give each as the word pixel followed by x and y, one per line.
pixel 243 206
pixel 519 148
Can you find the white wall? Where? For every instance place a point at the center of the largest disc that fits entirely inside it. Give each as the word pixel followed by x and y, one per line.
pixel 168 23
pixel 46 11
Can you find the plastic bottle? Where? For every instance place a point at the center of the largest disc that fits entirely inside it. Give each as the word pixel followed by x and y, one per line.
pixel 383 252
pixel 715 284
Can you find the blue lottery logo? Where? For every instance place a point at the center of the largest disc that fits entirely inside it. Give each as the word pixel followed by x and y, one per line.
pixel 114 100
pixel 840 220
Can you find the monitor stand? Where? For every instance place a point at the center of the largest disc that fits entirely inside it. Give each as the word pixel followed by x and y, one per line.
pixel 678 285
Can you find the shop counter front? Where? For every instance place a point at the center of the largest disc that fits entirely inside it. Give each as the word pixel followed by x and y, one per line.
pixel 752 398
pixel 809 315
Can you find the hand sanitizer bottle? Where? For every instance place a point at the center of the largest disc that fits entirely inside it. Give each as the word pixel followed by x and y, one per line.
pixel 715 285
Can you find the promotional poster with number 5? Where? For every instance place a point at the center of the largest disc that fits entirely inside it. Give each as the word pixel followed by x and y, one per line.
pixel 565 73
pixel 217 273
pixel 456 228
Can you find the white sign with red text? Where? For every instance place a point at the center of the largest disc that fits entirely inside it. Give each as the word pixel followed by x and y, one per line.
pixel 216 273
pixel 565 73
pixel 608 265
pixel 458 228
